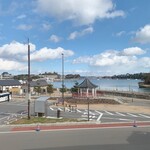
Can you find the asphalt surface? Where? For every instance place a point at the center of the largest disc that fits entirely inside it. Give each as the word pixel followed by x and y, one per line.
pixel 10 111
pixel 87 139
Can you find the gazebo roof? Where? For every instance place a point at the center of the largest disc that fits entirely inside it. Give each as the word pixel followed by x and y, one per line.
pixel 87 84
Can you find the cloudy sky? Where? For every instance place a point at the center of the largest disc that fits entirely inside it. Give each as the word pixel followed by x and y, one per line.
pixel 97 37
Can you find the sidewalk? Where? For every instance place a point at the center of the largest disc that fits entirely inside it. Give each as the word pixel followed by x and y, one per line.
pixel 66 126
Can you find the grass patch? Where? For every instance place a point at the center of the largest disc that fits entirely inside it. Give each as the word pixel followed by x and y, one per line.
pixel 43 120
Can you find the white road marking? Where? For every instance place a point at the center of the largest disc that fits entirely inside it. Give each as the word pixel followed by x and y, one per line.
pixel 60 109
pixel 125 119
pixel 51 108
pixel 100 116
pixel 91 113
pixel 117 118
pixel 120 114
pixel 4 118
pixel 132 115
pixel 79 111
pixel 108 112
pixel 67 109
pixel 145 116
pixel 83 115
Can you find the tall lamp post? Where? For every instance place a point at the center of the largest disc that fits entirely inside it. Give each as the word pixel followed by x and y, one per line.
pixel 62 78
pixel 28 80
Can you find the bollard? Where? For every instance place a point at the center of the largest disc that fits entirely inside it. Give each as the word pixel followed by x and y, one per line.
pixel 134 123
pixel 37 127
pixel 58 113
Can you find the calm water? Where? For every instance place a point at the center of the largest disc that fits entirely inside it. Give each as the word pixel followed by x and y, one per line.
pixel 107 84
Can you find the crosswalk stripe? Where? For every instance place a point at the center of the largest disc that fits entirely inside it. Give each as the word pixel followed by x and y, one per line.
pixel 84 116
pixel 51 108
pixel 60 109
pixel 132 115
pixel 144 116
pixel 98 112
pixel 79 111
pixel 91 113
pixel 108 112
pixel 120 114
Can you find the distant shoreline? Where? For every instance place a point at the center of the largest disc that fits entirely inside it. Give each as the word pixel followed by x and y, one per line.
pixel 143 85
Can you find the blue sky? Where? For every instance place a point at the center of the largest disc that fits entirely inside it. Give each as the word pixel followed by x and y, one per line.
pixel 97 37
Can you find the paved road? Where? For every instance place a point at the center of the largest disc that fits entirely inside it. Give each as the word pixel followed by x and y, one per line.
pixel 9 111
pixel 94 139
pixel 100 115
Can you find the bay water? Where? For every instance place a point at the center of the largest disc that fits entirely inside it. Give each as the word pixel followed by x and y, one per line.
pixel 106 84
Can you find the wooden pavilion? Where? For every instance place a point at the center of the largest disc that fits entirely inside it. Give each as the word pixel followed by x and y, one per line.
pixel 87 89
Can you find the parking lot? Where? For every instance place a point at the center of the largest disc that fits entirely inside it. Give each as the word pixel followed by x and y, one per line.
pixel 10 111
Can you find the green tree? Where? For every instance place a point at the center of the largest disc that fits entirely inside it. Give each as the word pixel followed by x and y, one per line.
pixel 50 89
pixel 147 78
pixel 74 89
pixel 63 90
pixel 37 89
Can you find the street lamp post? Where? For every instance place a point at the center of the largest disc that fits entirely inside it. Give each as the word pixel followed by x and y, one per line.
pixel 62 78
pixel 28 80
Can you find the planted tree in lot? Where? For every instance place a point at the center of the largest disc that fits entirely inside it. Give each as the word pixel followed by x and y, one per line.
pixel 50 89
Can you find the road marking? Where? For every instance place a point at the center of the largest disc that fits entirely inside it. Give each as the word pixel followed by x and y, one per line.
pixel 117 118
pixel 100 116
pixel 79 111
pixel 51 108
pixel 120 114
pixel 4 118
pixel 67 109
pixel 91 113
pixel 93 117
pixel 108 112
pixel 125 119
pixel 60 109
pixel 85 113
pixel 144 116
pixel 132 115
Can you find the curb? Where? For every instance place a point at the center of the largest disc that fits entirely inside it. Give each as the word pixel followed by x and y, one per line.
pixel 61 126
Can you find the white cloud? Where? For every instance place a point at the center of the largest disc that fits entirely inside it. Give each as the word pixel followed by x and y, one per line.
pixel 133 51
pixel 77 34
pixel 55 38
pixel 117 62
pixel 13 56
pixel 24 27
pixel 83 12
pixel 21 16
pixel 48 53
pixel 143 35
pixel 46 26
pixel 120 33
pixel 12 65
pixel 15 51
pixel 108 58
pixel 15 48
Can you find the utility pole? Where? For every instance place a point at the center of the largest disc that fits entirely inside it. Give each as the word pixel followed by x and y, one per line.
pixel 62 78
pixel 88 109
pixel 28 79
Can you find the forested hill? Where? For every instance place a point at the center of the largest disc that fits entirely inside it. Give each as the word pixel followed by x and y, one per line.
pixel 142 76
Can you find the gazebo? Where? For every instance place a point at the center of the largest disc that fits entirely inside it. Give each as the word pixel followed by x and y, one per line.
pixel 87 89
